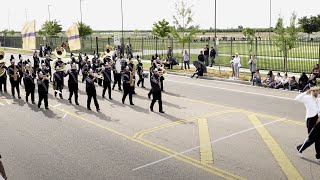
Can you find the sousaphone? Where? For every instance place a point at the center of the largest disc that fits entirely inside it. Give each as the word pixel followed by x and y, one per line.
pixel 60 52
pixel 2 63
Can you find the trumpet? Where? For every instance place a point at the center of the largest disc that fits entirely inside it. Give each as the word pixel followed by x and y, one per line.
pixel 98 76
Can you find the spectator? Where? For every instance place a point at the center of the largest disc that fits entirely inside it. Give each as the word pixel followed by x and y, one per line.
pixel 311 83
pixel 253 66
pixel 206 55
pixel 277 79
pixel 256 78
pixel 201 57
pixel 186 59
pixel 212 56
pixel 232 66
pixel 293 84
pixel 303 81
pixel 316 71
pixel 237 65
pixel 2 171
pixel 269 81
pixel 284 83
pixel 169 53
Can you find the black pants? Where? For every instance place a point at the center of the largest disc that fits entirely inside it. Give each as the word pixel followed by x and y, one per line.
pixel 73 90
pixel 106 85
pixel 161 83
pixel 252 73
pixel 94 96
pixel 185 64
pixel 141 80
pixel 127 91
pixel 150 93
pixel 3 81
pixel 59 87
pixel 117 80
pixel 314 136
pixel 100 82
pixel 30 91
pixel 156 96
pixel 15 85
pixel 43 96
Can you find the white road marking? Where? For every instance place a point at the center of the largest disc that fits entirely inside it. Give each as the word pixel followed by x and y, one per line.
pixel 215 141
pixel 1 104
pixel 65 115
pixel 233 90
pixel 56 105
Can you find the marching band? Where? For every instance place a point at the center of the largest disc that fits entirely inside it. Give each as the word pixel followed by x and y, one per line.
pixel 98 71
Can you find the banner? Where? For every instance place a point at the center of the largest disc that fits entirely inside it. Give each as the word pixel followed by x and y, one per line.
pixel 117 40
pixel 73 38
pixel 28 33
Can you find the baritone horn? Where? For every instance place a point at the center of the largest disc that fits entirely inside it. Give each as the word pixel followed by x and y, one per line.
pixel 1 56
pixel 60 52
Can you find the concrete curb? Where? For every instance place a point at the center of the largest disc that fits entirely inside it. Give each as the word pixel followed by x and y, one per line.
pixel 213 78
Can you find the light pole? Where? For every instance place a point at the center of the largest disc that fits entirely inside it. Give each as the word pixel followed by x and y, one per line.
pixel 270 22
pixel 26 14
pixel 81 10
pixel 122 26
pixel 49 11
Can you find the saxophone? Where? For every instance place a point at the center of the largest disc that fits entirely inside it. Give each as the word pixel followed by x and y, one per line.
pixel 15 73
pixel 132 74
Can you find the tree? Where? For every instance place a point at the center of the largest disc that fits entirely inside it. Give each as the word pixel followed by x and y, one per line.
pixel 310 25
pixel 286 37
pixel 50 28
pixel 84 29
pixel 162 30
pixel 5 32
pixel 182 22
pixel 136 32
pixel 249 34
pixel 240 27
pixel 11 32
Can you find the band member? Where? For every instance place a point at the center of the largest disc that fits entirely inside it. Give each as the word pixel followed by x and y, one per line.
pixel 36 61
pixel 13 72
pixel 311 102
pixel 91 90
pixel 3 77
pixel 47 61
pixel 140 72
pixel 58 82
pixel 59 63
pixel 20 66
pixel 43 87
pixel 117 74
pixel 106 81
pixel 44 69
pixel 156 91
pixel 81 61
pixel 132 70
pixel 2 171
pixel 73 83
pixel 85 70
pixel 73 59
pixel 95 58
pixel 126 86
pixel 28 79
pixel 161 80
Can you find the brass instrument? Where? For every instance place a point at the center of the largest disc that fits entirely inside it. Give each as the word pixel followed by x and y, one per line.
pixel 60 52
pixel 132 76
pixel 97 75
pixel 2 63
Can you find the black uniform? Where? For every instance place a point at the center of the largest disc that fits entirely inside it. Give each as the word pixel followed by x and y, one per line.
pixel 14 84
pixel 29 84
pixel 156 92
pixel 85 71
pixel 36 63
pixel 3 81
pixel 126 87
pixel 91 92
pixel 58 82
pixel 81 63
pixel 73 84
pixel 117 78
pixel 43 87
pixel 20 71
pixel 48 64
pixel 106 82
pixel 140 74
pixel 131 68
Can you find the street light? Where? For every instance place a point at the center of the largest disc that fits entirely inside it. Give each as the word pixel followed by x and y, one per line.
pixel 49 10
pixel 81 10
pixel 122 24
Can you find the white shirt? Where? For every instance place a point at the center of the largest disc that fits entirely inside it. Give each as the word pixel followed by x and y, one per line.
pixel 311 103
pixel 236 60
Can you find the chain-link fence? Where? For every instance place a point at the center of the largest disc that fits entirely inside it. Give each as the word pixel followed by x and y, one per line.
pixel 301 58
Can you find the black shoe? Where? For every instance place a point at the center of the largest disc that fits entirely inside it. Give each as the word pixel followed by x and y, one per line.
pixel 98 109
pixel 89 109
pixel 110 99
pixel 103 97
pixel 77 103
pixel 27 100
pixel 33 102
pixel 47 108
pixel 149 96
pixel 112 88
pixel 138 85
pixel 70 101
pixel 151 109
pixel 131 104
pixel 143 87
pixel 162 112
pixel 120 89
pixel 13 97
pixel 122 102
pixel 19 97
pixel 5 91
pixel 61 97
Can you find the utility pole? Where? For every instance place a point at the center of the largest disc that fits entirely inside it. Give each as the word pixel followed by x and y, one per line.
pixel 49 11
pixel 81 10
pixel 122 24
pixel 270 21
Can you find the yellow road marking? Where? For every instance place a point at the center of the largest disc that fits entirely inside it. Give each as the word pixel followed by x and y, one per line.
pixel 142 133
pixel 287 167
pixel 206 155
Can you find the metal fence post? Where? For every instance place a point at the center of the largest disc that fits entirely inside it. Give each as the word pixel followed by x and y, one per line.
pixel 142 48
pixel 108 40
pixel 157 45
pixel 319 53
pixel 91 42
pixel 189 47
pixel 256 53
pixel 97 45
pixel 231 46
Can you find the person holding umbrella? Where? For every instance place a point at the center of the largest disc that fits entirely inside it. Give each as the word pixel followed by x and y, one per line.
pixel 311 102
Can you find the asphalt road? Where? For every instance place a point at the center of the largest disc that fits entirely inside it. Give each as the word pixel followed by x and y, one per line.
pixel 211 130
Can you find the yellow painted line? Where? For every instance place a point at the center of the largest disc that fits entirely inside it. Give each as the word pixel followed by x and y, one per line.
pixel 287 167
pixel 140 134
pixel 285 121
pixel 209 168
pixel 206 155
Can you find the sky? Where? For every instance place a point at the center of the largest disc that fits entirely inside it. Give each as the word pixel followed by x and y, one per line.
pixel 141 14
